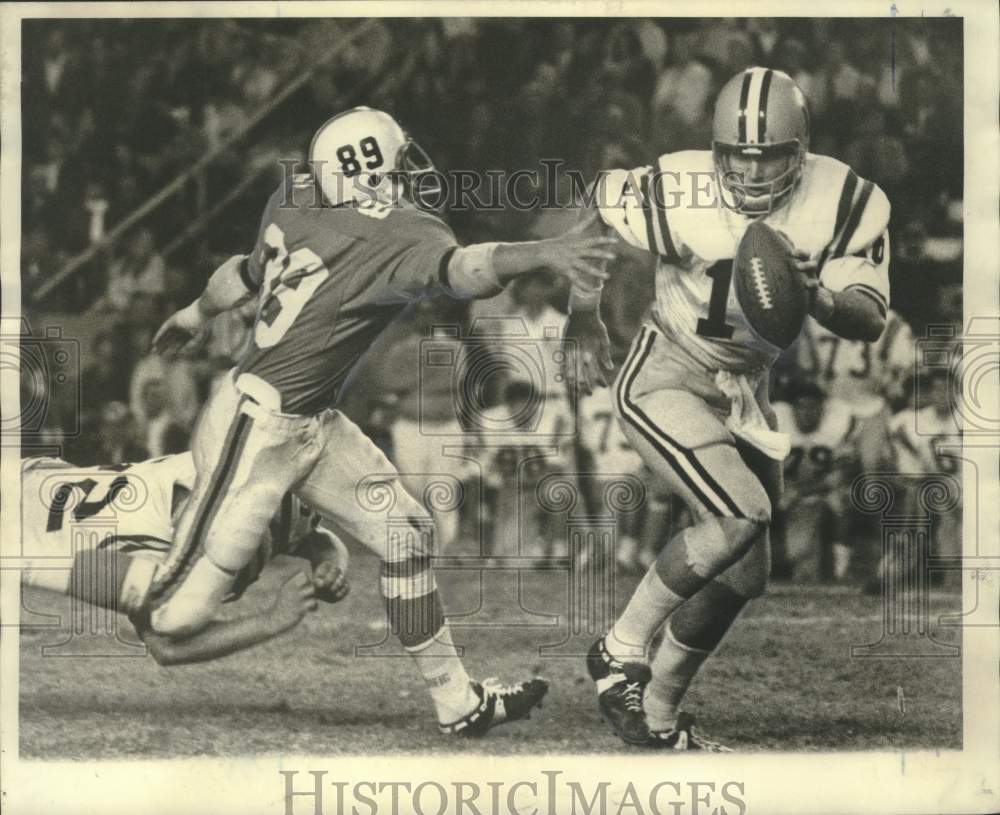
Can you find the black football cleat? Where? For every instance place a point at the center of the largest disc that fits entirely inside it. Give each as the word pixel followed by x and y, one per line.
pixel 620 686
pixel 682 736
pixel 498 704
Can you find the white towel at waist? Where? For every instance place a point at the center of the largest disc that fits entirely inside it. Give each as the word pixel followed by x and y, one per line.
pixel 746 419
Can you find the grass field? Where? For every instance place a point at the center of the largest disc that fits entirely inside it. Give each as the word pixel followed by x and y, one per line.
pixel 784 679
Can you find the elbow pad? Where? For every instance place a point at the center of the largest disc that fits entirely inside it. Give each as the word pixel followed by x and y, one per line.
pixel 471 273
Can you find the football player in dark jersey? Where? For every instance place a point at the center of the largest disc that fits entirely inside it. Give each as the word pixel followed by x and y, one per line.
pixel 340 252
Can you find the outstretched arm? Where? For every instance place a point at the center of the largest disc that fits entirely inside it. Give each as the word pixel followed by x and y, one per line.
pixel 223 637
pixel 230 285
pixel 482 270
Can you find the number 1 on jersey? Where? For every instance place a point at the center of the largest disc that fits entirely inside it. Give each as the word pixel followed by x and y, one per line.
pixel 715 325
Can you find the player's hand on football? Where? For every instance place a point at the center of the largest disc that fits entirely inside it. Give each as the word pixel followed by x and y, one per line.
pixel 579 258
pixel 296 598
pixel 184 331
pixel 820 303
pixel 587 351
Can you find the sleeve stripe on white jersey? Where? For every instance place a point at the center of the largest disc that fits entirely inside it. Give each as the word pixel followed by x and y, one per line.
pixel 647 211
pixel 661 217
pixel 874 294
pixel 843 209
pixel 852 223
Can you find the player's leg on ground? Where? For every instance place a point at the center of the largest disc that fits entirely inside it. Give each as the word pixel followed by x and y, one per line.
pixel 728 501
pixel 695 630
pixel 356 487
pixel 698 460
pixel 246 458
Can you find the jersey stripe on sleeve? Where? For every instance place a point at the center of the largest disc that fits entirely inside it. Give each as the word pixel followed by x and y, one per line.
pixel 843 210
pixel 852 222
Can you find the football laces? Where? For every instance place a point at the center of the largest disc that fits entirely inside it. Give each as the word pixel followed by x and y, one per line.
pixel 760 283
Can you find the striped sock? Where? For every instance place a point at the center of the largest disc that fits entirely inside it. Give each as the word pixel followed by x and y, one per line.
pixel 673 668
pixel 650 605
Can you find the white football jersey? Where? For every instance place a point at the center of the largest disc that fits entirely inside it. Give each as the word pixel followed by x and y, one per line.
pixel 853 370
pixel 601 434
pixel 674 210
pixel 131 502
pixel 811 457
pixel 920 438
pixel 511 456
pixel 131 507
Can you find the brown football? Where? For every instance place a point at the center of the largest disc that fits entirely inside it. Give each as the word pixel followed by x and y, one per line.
pixel 768 286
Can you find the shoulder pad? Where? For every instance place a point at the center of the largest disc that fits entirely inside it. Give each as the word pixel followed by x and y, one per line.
pixel 862 216
pixel 415 225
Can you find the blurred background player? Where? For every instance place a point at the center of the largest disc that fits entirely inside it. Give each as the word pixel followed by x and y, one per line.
pixel 808 523
pixel 854 371
pixel 340 253
pixel 425 412
pixel 693 394
pixel 514 459
pixel 925 441
pixel 70 512
pixel 603 449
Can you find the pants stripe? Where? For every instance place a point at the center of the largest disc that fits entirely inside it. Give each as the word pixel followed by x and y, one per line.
pixel 221 478
pixel 683 460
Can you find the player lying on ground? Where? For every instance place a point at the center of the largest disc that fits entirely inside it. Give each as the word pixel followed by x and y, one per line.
pixel 340 253
pixel 692 395
pixel 62 506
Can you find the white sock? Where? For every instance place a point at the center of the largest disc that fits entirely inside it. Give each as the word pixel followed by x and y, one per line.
pixel 650 605
pixel 444 673
pixel 673 668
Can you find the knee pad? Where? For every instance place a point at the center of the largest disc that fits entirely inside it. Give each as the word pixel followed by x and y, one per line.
pixel 715 543
pixel 704 550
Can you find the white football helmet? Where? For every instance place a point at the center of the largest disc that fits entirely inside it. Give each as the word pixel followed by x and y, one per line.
pixel 363 154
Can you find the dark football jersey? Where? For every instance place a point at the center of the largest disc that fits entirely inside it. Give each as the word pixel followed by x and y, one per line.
pixel 331 279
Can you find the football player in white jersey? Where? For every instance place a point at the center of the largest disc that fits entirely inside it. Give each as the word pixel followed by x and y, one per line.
pixel 692 394
pixel 94 532
pixel 854 371
pixel 821 431
pixel 604 448
pixel 925 441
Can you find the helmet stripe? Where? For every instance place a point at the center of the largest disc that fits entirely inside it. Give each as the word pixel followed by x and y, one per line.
pixel 765 87
pixel 753 106
pixel 744 97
